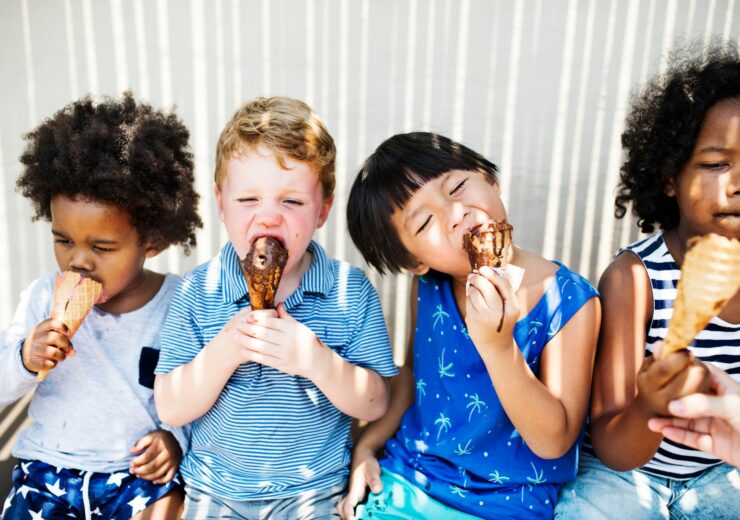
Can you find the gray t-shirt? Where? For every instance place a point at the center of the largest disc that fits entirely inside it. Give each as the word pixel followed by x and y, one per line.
pixel 91 409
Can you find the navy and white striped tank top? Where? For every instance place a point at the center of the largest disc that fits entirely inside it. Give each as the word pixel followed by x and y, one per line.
pixel 718 344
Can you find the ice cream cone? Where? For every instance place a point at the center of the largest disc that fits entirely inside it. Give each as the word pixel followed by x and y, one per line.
pixel 263 267
pixel 488 244
pixel 74 297
pixel 710 276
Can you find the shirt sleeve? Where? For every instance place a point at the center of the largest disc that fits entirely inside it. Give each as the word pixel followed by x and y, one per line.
pixel 181 336
pixel 369 345
pixel 33 308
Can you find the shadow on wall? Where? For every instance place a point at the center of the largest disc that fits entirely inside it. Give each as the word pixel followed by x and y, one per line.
pixel 12 419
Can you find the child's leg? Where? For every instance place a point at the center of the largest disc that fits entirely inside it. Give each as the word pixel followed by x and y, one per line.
pixel 401 500
pixel 600 493
pixel 168 507
pixel 714 494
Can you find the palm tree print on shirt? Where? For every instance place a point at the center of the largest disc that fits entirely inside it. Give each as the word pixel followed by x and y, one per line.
pixel 497 478
pixel 475 405
pixel 464 450
pixel 439 316
pixel 444 370
pixel 444 424
pixel 538 476
pixel 421 388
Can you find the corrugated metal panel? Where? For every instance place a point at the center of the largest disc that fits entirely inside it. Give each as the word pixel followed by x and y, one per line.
pixel 540 87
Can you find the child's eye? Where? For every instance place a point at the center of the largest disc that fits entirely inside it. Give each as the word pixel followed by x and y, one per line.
pixel 458 187
pixel 713 166
pixel 102 249
pixel 62 241
pixel 247 199
pixel 424 225
pixel 294 202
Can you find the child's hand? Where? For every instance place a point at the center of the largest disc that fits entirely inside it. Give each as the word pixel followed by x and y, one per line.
pixel 490 302
pixel 365 473
pixel 281 343
pixel 660 381
pixel 46 346
pixel 160 458
pixel 231 334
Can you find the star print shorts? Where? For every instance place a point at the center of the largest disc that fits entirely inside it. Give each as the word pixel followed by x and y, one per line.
pixel 47 492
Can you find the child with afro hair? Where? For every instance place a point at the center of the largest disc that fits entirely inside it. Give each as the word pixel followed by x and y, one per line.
pixel 115 178
pixel 682 174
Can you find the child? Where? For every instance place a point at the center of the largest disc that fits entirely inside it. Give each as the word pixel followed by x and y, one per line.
pixel 271 393
pixel 681 173
pixel 115 179
pixel 488 423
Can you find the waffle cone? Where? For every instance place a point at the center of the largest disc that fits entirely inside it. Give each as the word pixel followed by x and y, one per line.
pixel 488 244
pixel 263 267
pixel 74 297
pixel 710 276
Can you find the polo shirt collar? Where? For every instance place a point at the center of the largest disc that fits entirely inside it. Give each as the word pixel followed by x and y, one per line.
pixel 319 278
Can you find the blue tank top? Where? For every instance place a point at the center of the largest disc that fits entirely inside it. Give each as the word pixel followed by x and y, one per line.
pixel 456 441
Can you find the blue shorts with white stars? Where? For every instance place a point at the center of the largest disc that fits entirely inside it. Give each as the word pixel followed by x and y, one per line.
pixel 47 492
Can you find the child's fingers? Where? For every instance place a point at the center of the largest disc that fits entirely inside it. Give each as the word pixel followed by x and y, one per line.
pixel 151 468
pixel 167 476
pixel 722 382
pixel 142 443
pixel 260 332
pixel 664 370
pixel 145 458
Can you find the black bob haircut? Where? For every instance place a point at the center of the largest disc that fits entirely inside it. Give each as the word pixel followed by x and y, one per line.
pixel 663 124
pixel 116 152
pixel 390 176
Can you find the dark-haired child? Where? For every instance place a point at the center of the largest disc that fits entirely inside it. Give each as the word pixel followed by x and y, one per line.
pixel 115 178
pixel 482 423
pixel 682 174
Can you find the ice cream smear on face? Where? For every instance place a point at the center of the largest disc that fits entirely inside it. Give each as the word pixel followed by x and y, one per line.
pixel 263 267
pixel 74 297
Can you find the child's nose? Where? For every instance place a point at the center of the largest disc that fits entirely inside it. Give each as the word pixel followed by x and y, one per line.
pixel 81 261
pixel 455 215
pixel 270 218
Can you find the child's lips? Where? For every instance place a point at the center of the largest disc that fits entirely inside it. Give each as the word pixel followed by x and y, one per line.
pixel 273 235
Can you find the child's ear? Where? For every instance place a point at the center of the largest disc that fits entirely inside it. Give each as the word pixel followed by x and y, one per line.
pixel 670 188
pixel 420 269
pixel 219 201
pixel 151 252
pixel 324 213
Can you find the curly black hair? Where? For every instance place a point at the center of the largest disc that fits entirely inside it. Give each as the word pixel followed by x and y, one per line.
pixel 116 152
pixel 663 124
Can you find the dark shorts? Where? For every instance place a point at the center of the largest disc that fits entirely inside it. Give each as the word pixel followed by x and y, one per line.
pixel 45 491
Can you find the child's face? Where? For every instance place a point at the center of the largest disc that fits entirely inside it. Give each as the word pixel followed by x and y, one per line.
pixel 432 223
pixel 259 198
pixel 708 187
pixel 98 241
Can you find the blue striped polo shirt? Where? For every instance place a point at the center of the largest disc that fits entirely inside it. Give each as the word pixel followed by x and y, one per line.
pixel 271 434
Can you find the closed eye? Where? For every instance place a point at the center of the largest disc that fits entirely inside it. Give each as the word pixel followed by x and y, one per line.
pixel 713 166
pixel 458 187
pixel 247 199
pixel 294 202
pixel 424 225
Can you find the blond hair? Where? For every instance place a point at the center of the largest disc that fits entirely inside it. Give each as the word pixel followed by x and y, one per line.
pixel 288 128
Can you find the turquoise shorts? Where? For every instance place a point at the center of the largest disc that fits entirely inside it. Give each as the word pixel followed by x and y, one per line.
pixel 400 499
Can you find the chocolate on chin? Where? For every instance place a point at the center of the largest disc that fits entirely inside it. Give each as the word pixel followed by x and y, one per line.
pixel 263 267
pixel 488 244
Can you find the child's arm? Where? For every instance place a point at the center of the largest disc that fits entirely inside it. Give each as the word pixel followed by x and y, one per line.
pixel 629 388
pixel 365 468
pixel 190 390
pixel 289 346
pixel 548 412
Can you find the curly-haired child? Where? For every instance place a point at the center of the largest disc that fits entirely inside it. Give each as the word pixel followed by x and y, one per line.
pixel 682 174
pixel 115 178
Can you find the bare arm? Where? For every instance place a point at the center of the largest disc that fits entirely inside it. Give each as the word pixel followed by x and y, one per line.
pixel 619 431
pixel 630 388
pixel 548 412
